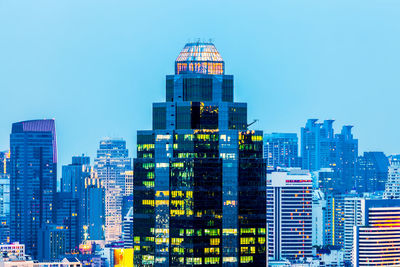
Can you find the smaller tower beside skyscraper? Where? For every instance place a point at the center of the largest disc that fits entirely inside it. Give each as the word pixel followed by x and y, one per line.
pixel 289 215
pixel 281 150
pixel 392 189
pixel 33 179
pixel 111 165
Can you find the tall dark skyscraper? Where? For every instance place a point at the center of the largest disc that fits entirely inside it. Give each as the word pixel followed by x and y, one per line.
pixel 199 183
pixel 33 180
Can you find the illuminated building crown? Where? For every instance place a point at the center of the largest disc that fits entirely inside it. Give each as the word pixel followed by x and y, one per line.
pixel 199 57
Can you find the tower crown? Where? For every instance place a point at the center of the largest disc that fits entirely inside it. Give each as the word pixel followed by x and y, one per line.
pixel 201 58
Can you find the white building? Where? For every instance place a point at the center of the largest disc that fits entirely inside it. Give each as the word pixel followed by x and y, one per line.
pixel 289 214
pixel 353 216
pixel 318 218
pixel 111 164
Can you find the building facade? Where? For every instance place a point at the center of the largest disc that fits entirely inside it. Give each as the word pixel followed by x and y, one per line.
pixel 110 165
pixel 199 183
pixel 281 150
pixel 377 243
pixel 33 180
pixel 392 188
pixel 371 172
pixel 289 215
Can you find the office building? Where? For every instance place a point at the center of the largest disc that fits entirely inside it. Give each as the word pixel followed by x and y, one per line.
pixel 289 215
pixel 322 148
pixel 72 202
pixel 4 162
pixel 95 209
pixel 66 214
pixel 52 242
pixel 128 229
pixel 33 180
pixel 353 216
pixel 281 150
pixel 199 183
pixel 377 243
pixel 110 165
pixel 128 183
pixel 4 208
pixel 392 189
pixel 371 172
pixel 318 218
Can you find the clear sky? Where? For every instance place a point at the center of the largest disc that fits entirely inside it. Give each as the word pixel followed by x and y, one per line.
pixel 96 66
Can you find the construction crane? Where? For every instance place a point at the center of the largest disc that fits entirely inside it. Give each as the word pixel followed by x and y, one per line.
pixel 254 121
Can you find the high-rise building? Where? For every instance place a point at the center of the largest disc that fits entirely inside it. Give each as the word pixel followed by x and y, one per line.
pixel 33 180
pixel 318 218
pixel 128 183
pixel 73 198
pixel 199 183
pixel 392 189
pixel 281 150
pixel 377 243
pixel 4 162
pixel 52 242
pixel 4 208
pixel 353 216
pixel 66 214
pixel 128 229
pixel 371 172
pixel 322 148
pixel 111 164
pixel 94 209
pixel 289 215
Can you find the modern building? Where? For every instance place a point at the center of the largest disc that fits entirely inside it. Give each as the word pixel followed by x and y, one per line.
pixel 199 183
pixel 4 162
pixel 281 150
pixel 289 215
pixel 322 148
pixel 128 184
pixel 4 208
pixel 318 218
pixel 128 229
pixel 13 250
pixel 371 172
pixel 52 242
pixel 353 216
pixel 377 243
pixel 95 209
pixel 111 164
pixel 33 180
pixel 392 188
pixel 66 214
pixel 72 201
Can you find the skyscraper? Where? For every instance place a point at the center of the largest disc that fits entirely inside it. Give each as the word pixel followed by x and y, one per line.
pixel 392 188
pixel 281 150
pixel 94 209
pixel 377 243
pixel 33 180
pixel 199 183
pixel 371 172
pixel 322 148
pixel 110 165
pixel 4 197
pixel 289 215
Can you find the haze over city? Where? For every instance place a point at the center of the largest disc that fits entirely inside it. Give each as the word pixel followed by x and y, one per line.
pixel 96 66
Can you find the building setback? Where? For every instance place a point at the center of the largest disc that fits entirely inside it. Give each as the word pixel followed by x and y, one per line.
pixel 199 183
pixel 33 180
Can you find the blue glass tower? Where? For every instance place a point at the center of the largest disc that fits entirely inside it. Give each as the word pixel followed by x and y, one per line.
pixel 33 180
pixel 199 183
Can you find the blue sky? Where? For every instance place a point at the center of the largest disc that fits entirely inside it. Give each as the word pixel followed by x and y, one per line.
pixel 96 66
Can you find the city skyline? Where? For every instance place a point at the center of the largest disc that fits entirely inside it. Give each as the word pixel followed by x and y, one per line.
pixel 299 67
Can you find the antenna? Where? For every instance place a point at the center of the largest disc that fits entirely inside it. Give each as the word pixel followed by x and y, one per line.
pixel 254 121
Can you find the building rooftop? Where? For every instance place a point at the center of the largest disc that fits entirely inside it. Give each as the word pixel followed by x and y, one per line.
pixel 199 57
